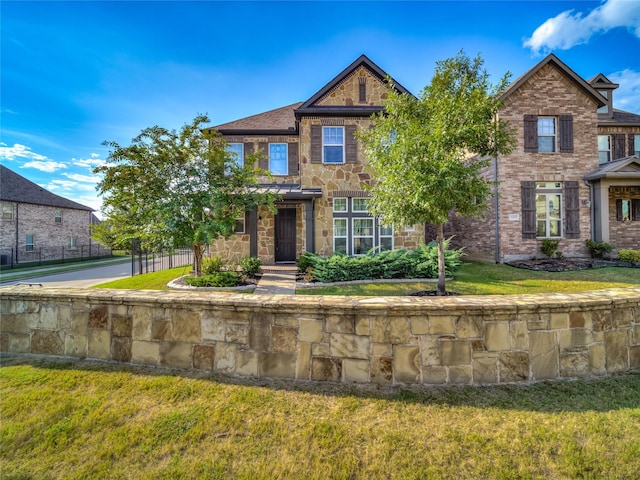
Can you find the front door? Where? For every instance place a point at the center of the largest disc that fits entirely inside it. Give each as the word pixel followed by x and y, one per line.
pixel 285 235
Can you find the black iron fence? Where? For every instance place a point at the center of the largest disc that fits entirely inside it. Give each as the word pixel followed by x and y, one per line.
pixel 145 261
pixel 31 255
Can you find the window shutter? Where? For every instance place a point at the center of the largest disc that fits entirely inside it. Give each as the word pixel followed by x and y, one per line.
pixel 263 163
pixel 528 194
pixel 316 143
pixel 631 144
pixel 618 149
pixel 571 209
pixel 248 150
pixel 351 144
pixel 294 168
pixel 635 209
pixel 531 133
pixel 619 209
pixel 566 133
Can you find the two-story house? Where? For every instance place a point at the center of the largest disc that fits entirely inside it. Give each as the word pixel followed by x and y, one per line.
pixel 559 182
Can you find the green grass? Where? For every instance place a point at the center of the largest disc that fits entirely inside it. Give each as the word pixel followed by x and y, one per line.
pixel 148 281
pixel 82 420
pixel 498 279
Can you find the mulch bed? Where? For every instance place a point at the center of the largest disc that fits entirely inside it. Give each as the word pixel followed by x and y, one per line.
pixel 568 264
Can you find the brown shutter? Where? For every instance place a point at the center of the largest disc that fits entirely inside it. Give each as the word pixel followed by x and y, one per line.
pixel 528 194
pixel 263 163
pixel 248 150
pixel 351 144
pixel 531 133
pixel 618 147
pixel 631 144
pixel 316 143
pixel 292 149
pixel 635 209
pixel 619 210
pixel 566 133
pixel 571 209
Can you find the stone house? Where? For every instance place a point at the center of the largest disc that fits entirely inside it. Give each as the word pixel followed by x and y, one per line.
pixel 573 175
pixel 38 225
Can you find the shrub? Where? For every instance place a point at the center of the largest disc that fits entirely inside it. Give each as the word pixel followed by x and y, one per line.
pixel 598 249
pixel 211 265
pixel 628 255
pixel 307 260
pixel 216 279
pixel 549 247
pixel 250 266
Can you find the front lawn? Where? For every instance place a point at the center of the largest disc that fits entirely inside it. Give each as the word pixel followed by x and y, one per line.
pixel 85 420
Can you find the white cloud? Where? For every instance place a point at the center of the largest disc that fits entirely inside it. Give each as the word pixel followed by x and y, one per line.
pixel 19 151
pixel 48 166
pixel 94 161
pixel 627 96
pixel 81 178
pixel 569 29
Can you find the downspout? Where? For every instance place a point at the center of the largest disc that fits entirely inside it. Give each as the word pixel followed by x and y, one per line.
pixel 17 233
pixel 495 193
pixel 592 210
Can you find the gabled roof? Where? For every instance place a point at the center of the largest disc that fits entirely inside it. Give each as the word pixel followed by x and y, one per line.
pixel 309 107
pixel 628 167
pixel 600 81
pixel 16 188
pixel 280 121
pixel 551 59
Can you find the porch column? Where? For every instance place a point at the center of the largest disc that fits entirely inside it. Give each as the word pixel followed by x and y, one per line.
pixel 601 212
pixel 253 232
pixel 309 223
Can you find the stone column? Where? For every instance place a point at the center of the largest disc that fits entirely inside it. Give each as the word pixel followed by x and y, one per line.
pixel 309 225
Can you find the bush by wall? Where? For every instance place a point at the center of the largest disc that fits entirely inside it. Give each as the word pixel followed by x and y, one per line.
pixel 629 255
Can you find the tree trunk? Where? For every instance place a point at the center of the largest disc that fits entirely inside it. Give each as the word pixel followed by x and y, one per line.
pixel 198 251
pixel 441 269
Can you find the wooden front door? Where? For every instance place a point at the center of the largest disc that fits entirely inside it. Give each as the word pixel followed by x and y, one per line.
pixel 285 235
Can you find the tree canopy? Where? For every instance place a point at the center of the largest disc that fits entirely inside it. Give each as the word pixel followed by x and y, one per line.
pixel 174 188
pixel 427 154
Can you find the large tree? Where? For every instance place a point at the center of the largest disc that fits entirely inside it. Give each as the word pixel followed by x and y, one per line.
pixel 427 154
pixel 174 188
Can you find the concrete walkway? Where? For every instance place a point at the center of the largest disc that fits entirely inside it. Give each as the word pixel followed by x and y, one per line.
pixel 277 281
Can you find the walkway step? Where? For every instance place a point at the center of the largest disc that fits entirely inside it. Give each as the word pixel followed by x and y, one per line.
pixel 283 283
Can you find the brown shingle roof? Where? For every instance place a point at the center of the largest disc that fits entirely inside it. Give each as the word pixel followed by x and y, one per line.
pixel 279 120
pixel 16 188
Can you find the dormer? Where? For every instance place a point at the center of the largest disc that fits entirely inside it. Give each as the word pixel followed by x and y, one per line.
pixel 605 87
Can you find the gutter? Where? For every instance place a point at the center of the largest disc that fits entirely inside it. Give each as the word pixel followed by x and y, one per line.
pixel 497 200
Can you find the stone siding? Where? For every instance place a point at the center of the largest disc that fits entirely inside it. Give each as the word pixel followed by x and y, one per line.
pixel 465 340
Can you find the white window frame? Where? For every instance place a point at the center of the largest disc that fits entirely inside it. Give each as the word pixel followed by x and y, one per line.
pixel 636 145
pixel 355 237
pixel 285 171
pixel 72 243
pixel 386 235
pixel 355 200
pixel 544 133
pixel 604 152
pixel 240 226
pixel 57 216
pixel 345 236
pixel 232 147
pixel 7 211
pixel 29 242
pixel 546 194
pixel 326 143
pixel 340 202
pixel 605 108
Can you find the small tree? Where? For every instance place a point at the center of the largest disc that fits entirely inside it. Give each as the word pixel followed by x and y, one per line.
pixel 426 154
pixel 173 188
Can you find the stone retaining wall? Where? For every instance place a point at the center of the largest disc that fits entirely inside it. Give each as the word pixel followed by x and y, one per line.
pixel 393 340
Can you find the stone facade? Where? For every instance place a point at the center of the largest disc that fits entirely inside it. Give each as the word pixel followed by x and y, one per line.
pixel 385 341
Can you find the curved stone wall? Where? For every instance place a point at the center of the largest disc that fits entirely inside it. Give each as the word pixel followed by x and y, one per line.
pixel 392 340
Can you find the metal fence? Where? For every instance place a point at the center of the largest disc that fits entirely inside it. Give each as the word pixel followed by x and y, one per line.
pixel 145 261
pixel 26 255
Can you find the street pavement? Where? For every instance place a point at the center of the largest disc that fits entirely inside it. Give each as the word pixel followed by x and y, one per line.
pixel 86 277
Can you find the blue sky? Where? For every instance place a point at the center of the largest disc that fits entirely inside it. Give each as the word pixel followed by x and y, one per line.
pixel 75 74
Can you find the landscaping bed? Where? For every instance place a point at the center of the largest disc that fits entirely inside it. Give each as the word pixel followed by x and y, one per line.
pixel 569 264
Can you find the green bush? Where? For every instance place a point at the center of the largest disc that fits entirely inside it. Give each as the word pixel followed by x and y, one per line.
pixel 628 255
pixel 598 249
pixel 250 266
pixel 419 263
pixel 216 279
pixel 549 247
pixel 211 265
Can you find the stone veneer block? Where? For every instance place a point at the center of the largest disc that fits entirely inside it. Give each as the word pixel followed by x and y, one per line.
pixel 340 323
pixel 277 364
pixel 99 344
pixel 79 321
pixel 186 326
pixel 260 333
pixel 13 322
pixel 310 330
pixel 176 354
pixel 203 356
pixel 320 349
pixel 543 355
pixel 560 320
pixel 576 320
pixel 496 336
pixel 303 367
pixel 363 325
pixel 121 349
pixel 161 330
pixel 48 318
pixel 455 352
pixel 575 364
pixel 381 370
pixel 390 330
pixel 519 336
pixel 247 363
pixel 147 353
pixel 225 358
pixel 283 339
pixel 485 368
pixel 597 365
pixel 65 320
pixel 141 318
pixel 4 342
pixel 406 364
pixel 634 356
pixel 237 334
pixel 460 375
pixel 75 345
pixel 615 344
pixel 442 324
pixel 99 317
pixel 19 342
pixel 602 320
pixel 121 326
pixel 536 321
pixel 381 349
pixel 434 375
pixel 470 327
pixel 575 337
pixel 356 370
pixel 349 346
pixel 213 328
pixel 513 366
pixel 430 350
pixel 622 317
pixel 636 335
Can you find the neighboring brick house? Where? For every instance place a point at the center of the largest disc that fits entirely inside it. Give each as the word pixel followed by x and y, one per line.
pixel 551 186
pixel 38 225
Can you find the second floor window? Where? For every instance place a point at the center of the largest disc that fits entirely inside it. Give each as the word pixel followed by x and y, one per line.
pixel 604 149
pixel 7 211
pixel 57 216
pixel 546 134
pixel 636 145
pixel 333 144
pixel 278 159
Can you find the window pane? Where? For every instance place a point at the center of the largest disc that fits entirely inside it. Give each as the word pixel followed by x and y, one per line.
pixel 636 145
pixel 386 243
pixel 546 144
pixel 362 245
pixel 340 227
pixel 360 204
pixel 626 210
pixel 554 228
pixel 333 154
pixel 278 159
pixel 339 204
pixel 236 149
pixel 333 136
pixel 340 245
pixel 239 228
pixel 546 126
pixel 363 227
pixel 603 157
pixel 386 231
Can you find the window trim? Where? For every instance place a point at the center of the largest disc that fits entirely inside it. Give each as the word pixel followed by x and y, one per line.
pixel 72 243
pixel 636 145
pixel 29 246
pixel 547 189
pixel 608 151
pixel 286 158
pixel 354 237
pixel 57 216
pixel 553 136
pixel 346 204
pixel 241 220
pixel 341 145
pixel 229 148
pixel 353 204
pixel 7 211
pixel 345 236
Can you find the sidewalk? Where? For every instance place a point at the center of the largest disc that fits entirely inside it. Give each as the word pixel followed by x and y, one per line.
pixel 278 280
